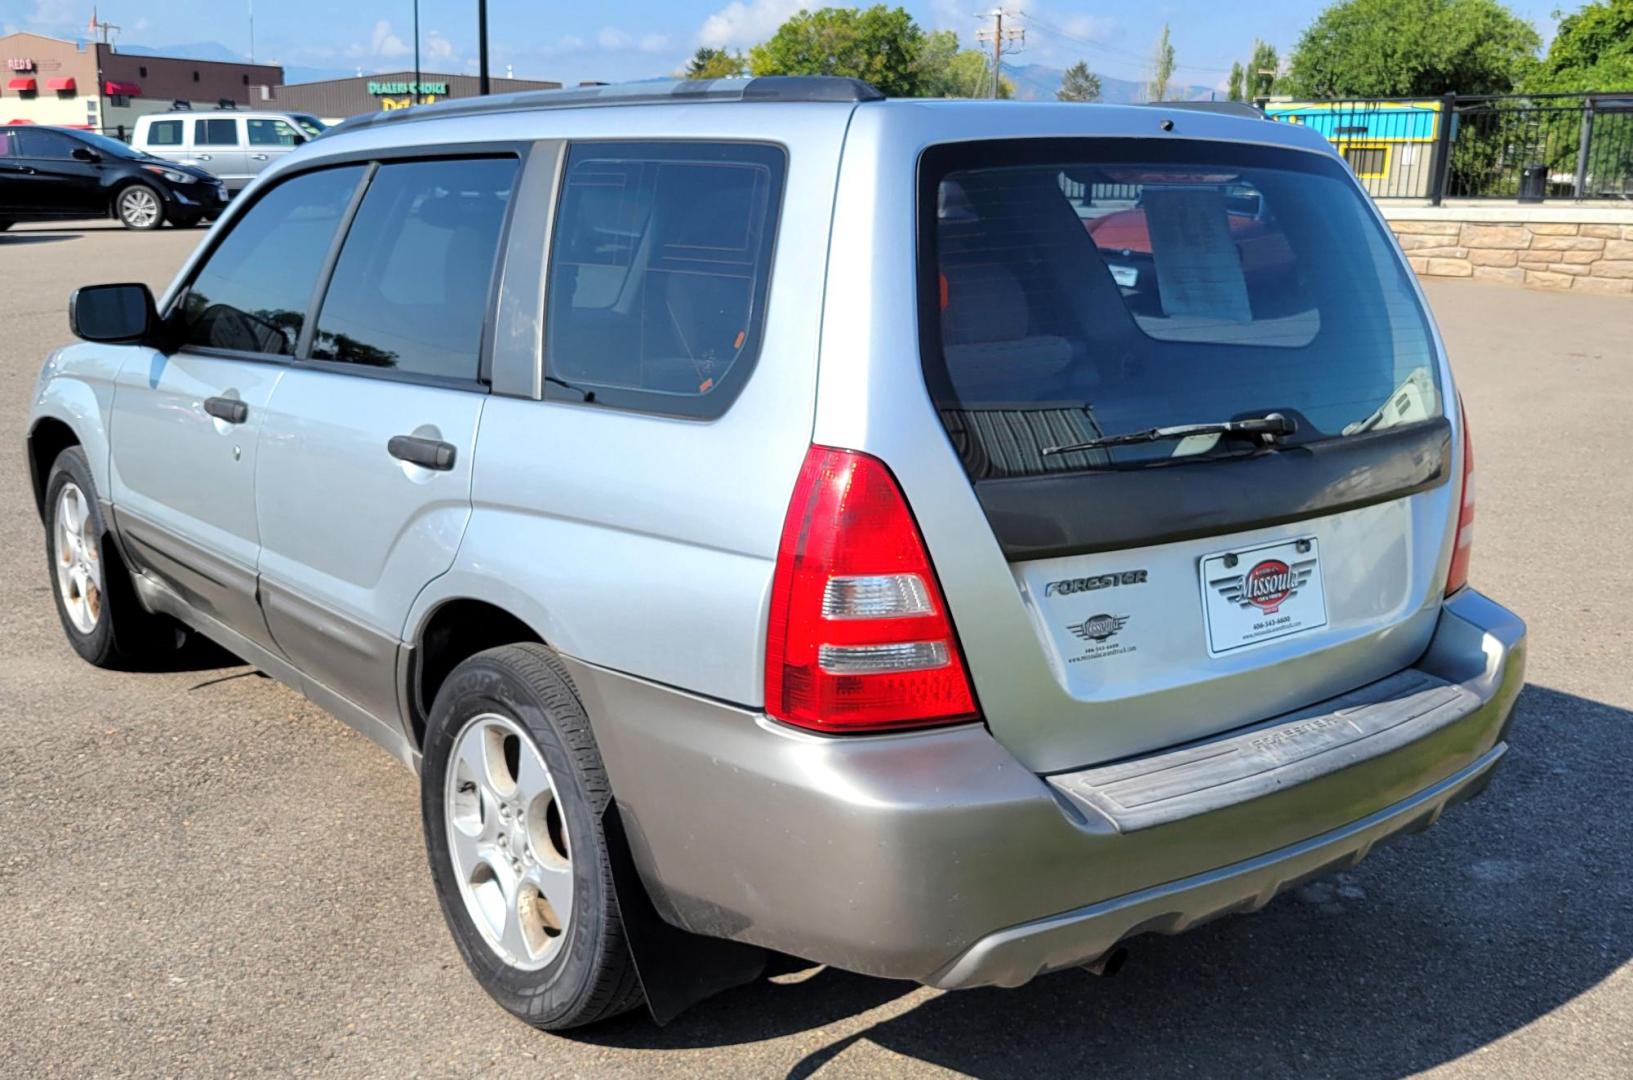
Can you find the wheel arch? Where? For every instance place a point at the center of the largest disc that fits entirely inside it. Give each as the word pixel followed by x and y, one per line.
pixel 449 631
pixel 47 439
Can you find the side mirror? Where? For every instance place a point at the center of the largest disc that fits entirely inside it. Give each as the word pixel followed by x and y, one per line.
pixel 115 314
pixel 85 154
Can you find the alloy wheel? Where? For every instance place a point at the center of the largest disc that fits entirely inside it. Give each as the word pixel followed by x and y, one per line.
pixel 78 559
pixel 507 837
pixel 138 208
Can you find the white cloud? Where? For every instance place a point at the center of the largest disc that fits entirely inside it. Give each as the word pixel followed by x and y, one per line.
pixel 742 23
pixel 385 42
pixel 438 47
pixel 611 37
pixel 654 43
pixel 1097 28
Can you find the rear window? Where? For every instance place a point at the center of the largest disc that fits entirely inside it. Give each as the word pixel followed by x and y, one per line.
pixel 1074 289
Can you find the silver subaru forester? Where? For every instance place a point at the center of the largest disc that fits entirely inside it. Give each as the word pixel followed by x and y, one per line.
pixel 936 539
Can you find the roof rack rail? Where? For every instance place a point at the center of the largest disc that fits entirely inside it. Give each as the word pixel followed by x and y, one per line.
pixel 761 88
pixel 1244 109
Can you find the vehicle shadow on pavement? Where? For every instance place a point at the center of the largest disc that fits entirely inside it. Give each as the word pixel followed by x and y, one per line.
pixel 1432 948
pixel 19 239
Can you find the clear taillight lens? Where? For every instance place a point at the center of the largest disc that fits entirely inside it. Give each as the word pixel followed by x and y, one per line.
pixel 859 636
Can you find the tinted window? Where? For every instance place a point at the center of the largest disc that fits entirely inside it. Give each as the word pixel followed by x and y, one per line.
pixel 215 132
pixel 310 124
pixel 270 133
pixel 659 270
pixel 254 289
pixel 410 291
pixel 8 144
pixel 1108 286
pixel 164 133
pixel 45 144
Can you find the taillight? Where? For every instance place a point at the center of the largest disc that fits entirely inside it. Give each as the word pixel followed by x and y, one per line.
pixel 1458 576
pixel 859 638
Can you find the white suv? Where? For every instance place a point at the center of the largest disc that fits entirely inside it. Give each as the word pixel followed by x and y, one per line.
pixel 233 144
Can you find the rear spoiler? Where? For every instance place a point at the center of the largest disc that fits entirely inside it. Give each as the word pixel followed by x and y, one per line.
pixel 1227 108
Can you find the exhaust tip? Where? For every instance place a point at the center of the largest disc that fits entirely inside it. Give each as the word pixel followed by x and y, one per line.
pixel 1108 963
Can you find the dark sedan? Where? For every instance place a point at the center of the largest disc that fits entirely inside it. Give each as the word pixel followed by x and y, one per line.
pixel 49 174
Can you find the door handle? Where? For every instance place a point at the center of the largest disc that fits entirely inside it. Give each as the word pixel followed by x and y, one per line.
pixel 426 453
pixel 232 410
pixel 257 157
pixel 204 157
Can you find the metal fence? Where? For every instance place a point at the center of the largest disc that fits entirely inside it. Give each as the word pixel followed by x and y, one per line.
pixel 1516 146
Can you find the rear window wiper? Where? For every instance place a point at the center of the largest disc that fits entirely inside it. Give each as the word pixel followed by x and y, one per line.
pixel 1269 427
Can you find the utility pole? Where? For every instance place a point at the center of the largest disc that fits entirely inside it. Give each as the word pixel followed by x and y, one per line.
pixel 416 52
pixel 482 46
pixel 1015 35
pixel 252 31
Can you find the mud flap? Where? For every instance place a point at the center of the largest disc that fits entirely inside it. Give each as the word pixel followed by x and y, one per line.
pixel 677 969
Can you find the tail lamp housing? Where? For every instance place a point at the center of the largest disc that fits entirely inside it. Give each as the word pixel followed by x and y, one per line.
pixel 859 637
pixel 1458 575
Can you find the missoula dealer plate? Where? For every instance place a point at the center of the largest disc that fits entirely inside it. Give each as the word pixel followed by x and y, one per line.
pixel 1259 594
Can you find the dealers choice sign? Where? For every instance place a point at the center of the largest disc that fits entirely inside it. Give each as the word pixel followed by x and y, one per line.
pixel 427 92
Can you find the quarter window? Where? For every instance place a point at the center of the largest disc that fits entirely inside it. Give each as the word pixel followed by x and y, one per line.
pixel 215 132
pixel 164 133
pixel 659 272
pixel 410 292
pixel 253 292
pixel 270 133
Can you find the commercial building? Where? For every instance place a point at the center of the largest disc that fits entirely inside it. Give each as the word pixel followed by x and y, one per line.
pixel 335 99
pixel 91 85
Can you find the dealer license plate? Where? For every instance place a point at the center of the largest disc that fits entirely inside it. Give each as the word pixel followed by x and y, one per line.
pixel 1259 594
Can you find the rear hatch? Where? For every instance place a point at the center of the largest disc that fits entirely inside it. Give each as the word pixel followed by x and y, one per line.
pixel 1077 290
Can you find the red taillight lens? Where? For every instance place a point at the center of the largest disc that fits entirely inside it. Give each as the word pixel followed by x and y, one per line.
pixel 859 639
pixel 1458 576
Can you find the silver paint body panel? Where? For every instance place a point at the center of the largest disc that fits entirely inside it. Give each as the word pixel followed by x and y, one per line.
pixel 641 548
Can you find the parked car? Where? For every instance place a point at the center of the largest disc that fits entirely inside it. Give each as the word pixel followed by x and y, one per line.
pixel 760 516
pixel 234 144
pixel 50 174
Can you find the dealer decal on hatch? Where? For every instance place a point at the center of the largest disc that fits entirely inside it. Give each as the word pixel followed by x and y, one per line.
pixel 1098 632
pixel 1260 594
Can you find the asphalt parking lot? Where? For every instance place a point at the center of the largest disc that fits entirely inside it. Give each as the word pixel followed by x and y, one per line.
pixel 200 873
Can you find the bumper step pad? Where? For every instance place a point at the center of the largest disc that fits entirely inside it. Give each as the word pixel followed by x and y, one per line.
pixel 1376 719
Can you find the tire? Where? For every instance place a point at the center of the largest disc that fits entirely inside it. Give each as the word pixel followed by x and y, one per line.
pixel 190 221
pixel 488 879
pixel 138 206
pixel 100 614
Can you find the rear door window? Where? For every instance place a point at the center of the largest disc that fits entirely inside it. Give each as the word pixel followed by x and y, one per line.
pixel 1080 288
pixel 411 290
pixel 253 291
pixel 222 132
pixel 164 133
pixel 659 269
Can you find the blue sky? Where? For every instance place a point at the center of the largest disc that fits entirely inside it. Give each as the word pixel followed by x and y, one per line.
pixel 615 40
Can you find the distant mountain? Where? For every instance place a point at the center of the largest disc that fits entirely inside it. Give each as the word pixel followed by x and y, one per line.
pixel 1034 82
pixel 214 50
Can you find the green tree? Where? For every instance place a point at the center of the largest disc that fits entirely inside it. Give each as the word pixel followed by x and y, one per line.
pixel 1412 48
pixel 880 45
pixel 1260 77
pixel 950 72
pixel 1162 67
pixel 709 63
pixel 1591 50
pixel 1238 83
pixel 1079 84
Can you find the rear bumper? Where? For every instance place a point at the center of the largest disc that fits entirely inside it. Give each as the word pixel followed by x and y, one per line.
pixel 938 857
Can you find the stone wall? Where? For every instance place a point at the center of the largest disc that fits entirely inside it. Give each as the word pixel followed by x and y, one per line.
pixel 1582 256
